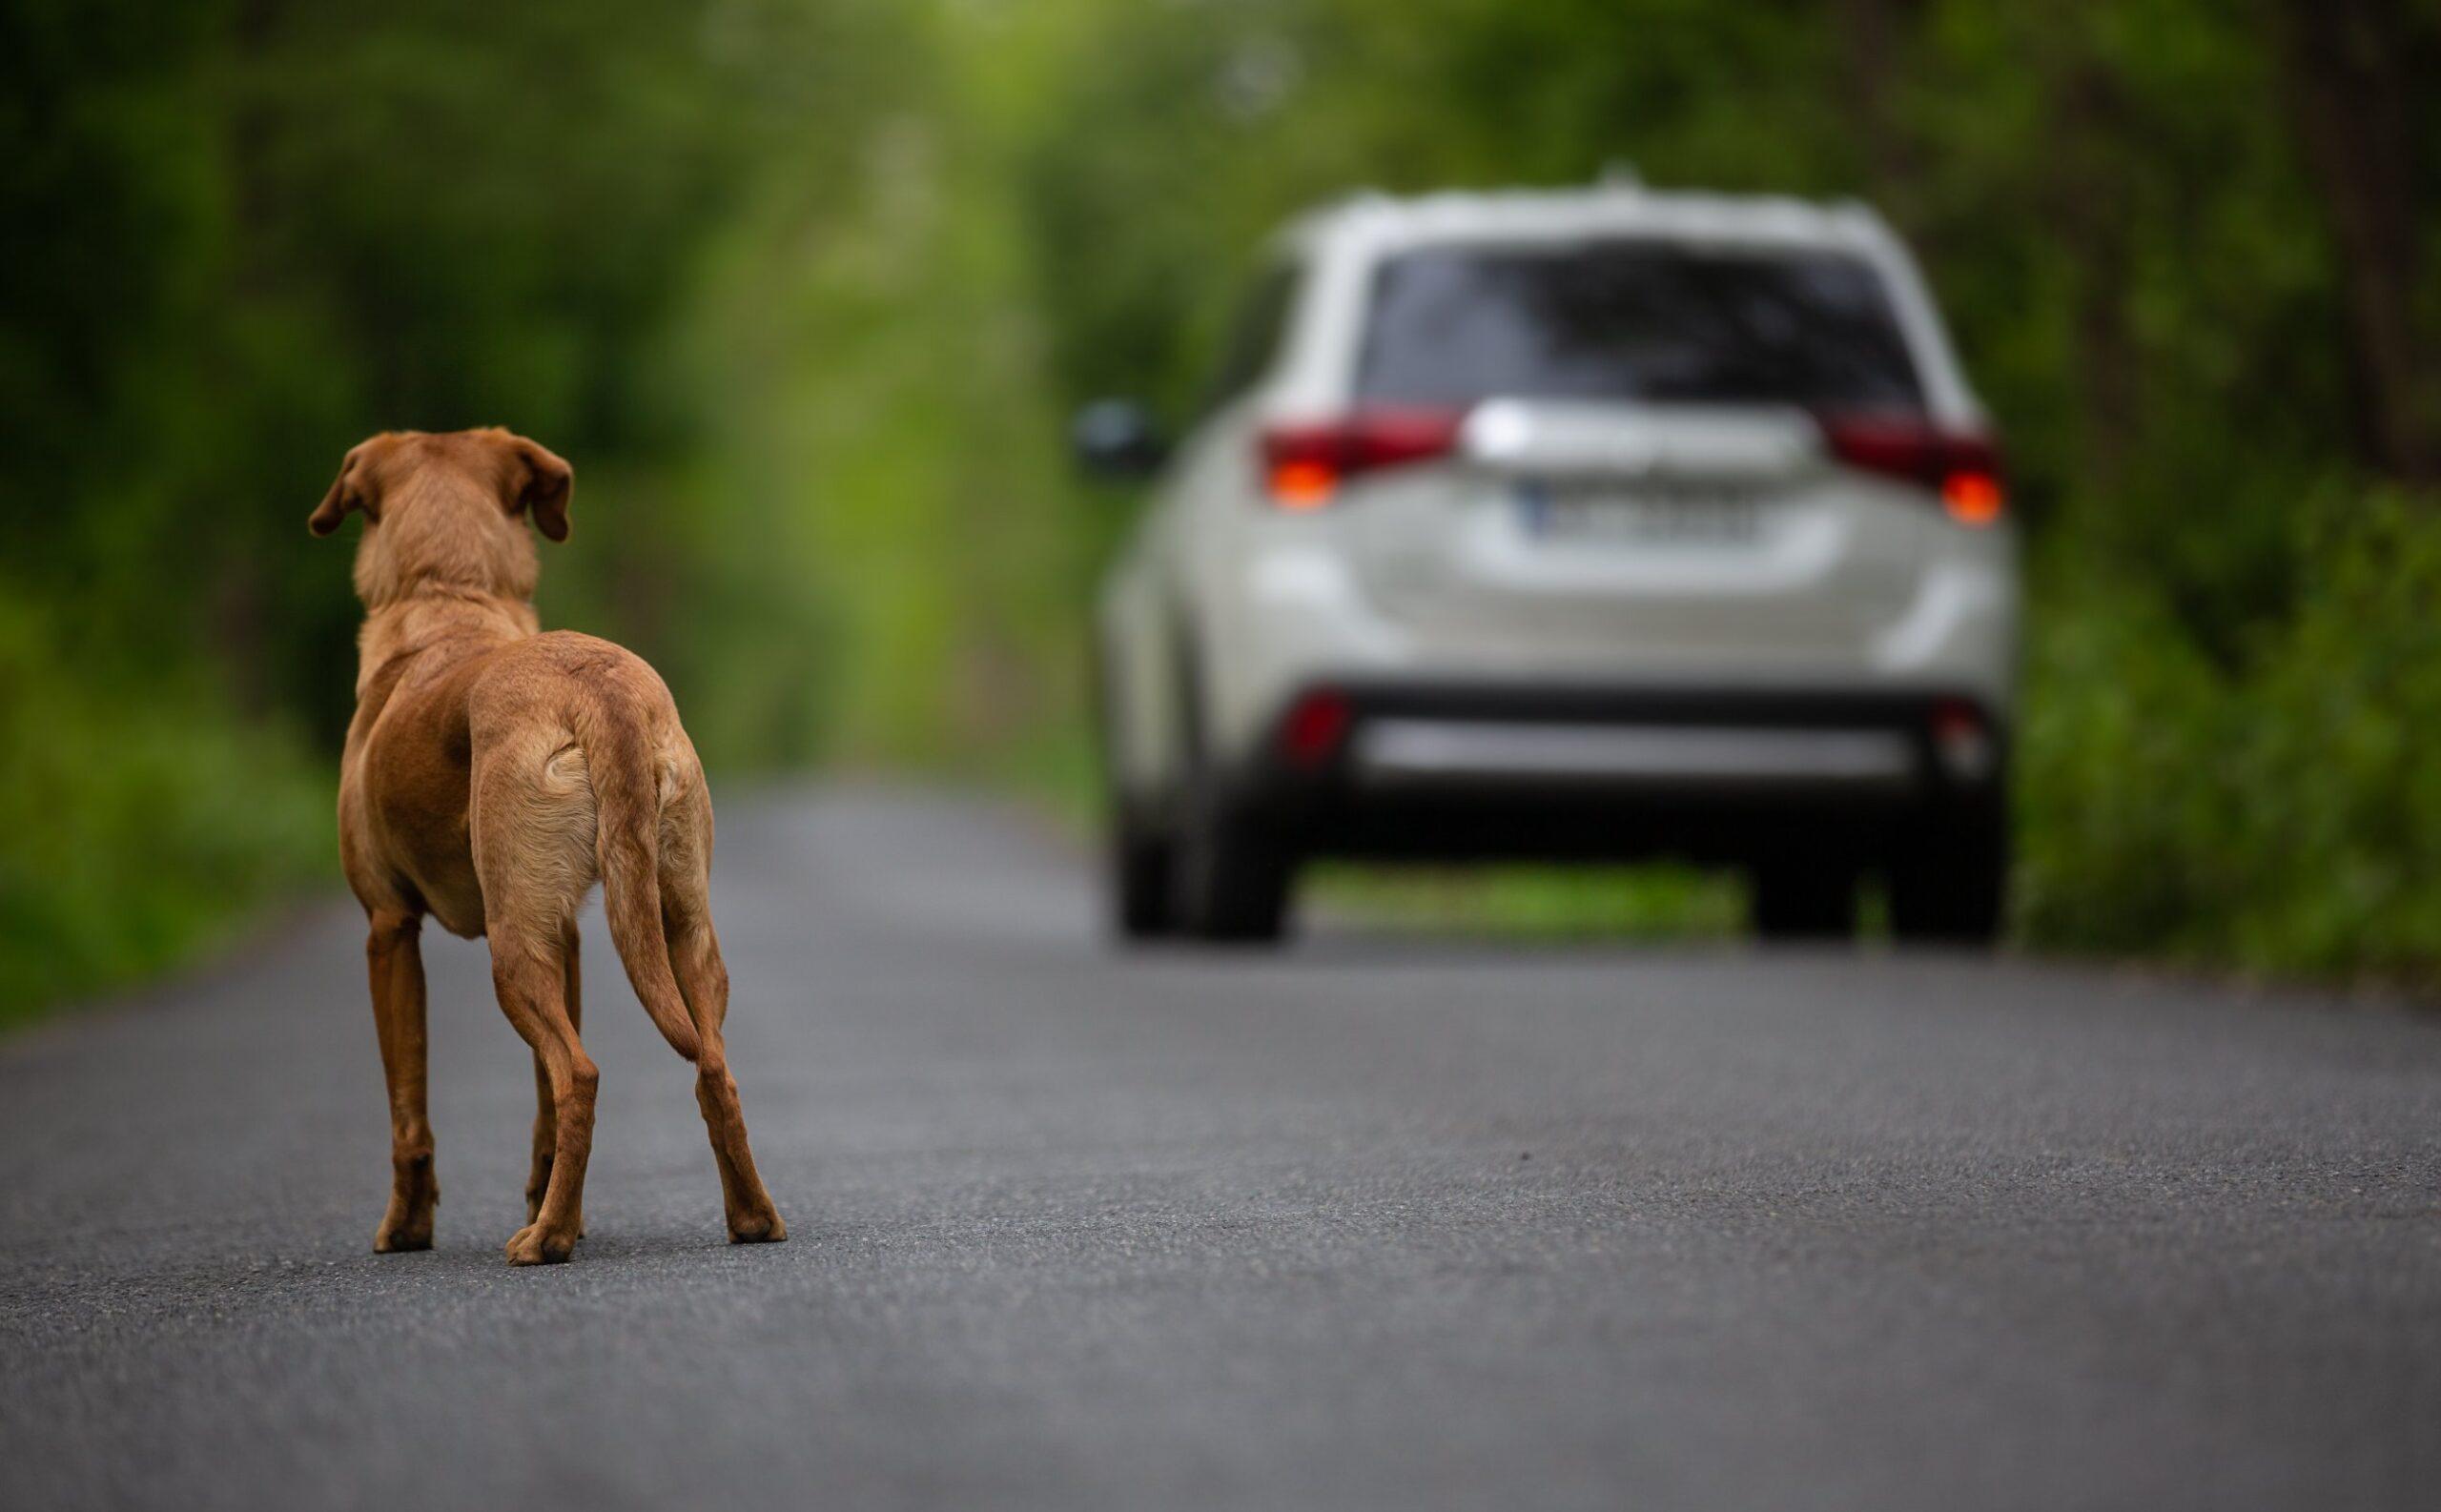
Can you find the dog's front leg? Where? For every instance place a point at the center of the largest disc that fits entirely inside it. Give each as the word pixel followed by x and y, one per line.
pixel 393 959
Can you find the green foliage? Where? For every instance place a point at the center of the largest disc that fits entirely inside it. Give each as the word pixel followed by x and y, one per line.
pixel 242 238
pixel 806 288
pixel 138 825
pixel 2285 815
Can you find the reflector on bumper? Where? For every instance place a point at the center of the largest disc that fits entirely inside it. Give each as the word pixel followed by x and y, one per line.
pixel 1397 753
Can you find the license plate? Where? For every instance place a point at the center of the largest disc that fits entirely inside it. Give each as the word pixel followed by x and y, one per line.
pixel 1644 517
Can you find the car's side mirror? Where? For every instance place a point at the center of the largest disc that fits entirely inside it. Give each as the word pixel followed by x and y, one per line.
pixel 1116 438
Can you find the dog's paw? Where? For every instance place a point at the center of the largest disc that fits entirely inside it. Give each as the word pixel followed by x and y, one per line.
pixel 398 1239
pixel 759 1228
pixel 406 1223
pixel 533 1245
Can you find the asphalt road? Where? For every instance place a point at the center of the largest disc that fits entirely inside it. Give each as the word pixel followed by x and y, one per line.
pixel 1380 1223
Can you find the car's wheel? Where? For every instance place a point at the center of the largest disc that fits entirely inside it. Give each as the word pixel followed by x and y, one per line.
pixel 1232 874
pixel 1803 900
pixel 1141 866
pixel 1949 877
pixel 1138 858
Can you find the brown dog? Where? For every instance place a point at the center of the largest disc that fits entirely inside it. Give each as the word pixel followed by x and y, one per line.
pixel 492 775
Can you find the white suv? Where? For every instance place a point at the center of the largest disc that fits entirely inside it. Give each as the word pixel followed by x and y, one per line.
pixel 1591 524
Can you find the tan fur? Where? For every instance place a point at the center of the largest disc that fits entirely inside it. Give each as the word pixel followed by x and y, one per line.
pixel 492 775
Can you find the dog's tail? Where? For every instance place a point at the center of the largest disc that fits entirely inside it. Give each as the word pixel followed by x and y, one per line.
pixel 626 794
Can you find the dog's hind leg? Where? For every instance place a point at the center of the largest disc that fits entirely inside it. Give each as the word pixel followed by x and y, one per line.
pixel 530 975
pixel 394 962
pixel 531 829
pixel 546 1123
pixel 703 980
pixel 695 954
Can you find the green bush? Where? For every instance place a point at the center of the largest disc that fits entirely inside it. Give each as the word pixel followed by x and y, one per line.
pixel 136 825
pixel 2282 813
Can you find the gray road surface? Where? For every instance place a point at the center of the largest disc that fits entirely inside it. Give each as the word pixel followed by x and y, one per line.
pixel 1380 1223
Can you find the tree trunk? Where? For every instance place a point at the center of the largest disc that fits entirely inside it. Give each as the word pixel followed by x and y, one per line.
pixel 2350 94
pixel 1873 35
pixel 2084 197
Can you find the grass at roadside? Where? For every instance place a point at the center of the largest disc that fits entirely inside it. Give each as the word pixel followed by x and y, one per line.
pixel 138 827
pixel 1530 903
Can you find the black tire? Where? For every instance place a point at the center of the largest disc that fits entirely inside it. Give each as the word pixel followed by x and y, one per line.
pixel 1141 867
pixel 1231 872
pixel 1138 858
pixel 1232 876
pixel 1803 900
pixel 1949 877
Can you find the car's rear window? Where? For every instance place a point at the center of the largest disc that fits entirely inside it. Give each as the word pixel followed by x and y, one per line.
pixel 1644 321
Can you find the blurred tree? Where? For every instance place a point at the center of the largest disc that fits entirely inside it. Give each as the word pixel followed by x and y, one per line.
pixel 244 233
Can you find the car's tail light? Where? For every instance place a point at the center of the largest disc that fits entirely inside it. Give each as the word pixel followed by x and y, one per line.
pixel 1304 463
pixel 1312 729
pixel 1963 739
pixel 1962 471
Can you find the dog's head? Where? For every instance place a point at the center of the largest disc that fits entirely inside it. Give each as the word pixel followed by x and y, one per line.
pixel 448 510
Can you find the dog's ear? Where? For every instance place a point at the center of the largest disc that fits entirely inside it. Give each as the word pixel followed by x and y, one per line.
pixel 540 486
pixel 352 489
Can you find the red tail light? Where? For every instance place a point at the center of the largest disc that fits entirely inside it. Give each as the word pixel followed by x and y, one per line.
pixel 1963 471
pixel 1963 739
pixel 1315 725
pixel 1304 464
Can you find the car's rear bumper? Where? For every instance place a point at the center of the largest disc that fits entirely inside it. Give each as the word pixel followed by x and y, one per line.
pixel 1436 772
pixel 1299 612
